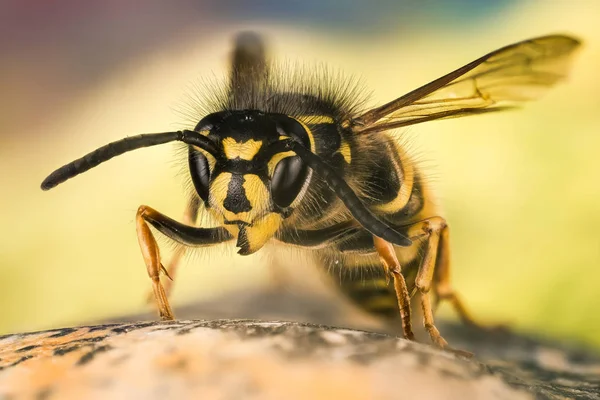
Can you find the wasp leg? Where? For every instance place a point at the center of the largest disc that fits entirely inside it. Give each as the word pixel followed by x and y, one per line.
pixel 181 233
pixel 390 262
pixel 151 255
pixel 432 228
pixel 317 238
pixel 189 218
pixel 442 287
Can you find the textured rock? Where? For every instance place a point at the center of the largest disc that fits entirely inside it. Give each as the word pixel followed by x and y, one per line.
pixel 254 359
pixel 236 359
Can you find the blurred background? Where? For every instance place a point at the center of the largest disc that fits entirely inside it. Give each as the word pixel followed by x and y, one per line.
pixel 520 190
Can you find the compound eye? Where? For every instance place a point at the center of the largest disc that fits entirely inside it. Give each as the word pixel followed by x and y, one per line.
pixel 289 177
pixel 200 172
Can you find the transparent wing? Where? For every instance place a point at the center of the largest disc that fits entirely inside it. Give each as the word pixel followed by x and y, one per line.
pixel 499 80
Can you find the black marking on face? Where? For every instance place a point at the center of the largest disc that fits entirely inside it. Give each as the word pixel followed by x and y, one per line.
pixel 236 200
pixel 243 125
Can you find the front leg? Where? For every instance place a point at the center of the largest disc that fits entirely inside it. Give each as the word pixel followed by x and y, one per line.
pixel 189 218
pixel 181 233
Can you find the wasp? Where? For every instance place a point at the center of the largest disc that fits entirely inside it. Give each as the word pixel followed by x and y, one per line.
pixel 296 160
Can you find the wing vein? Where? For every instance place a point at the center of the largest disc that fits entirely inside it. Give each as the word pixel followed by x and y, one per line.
pixel 498 81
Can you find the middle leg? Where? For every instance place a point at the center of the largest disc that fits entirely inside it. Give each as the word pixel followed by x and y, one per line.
pixel 390 262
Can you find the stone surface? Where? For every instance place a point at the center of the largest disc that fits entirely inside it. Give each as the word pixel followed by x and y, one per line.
pixel 254 359
pixel 235 359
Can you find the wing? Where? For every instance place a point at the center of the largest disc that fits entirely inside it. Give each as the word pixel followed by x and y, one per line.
pixel 497 81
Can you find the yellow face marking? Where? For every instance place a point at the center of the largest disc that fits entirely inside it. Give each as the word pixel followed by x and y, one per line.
pixel 256 193
pixel 345 151
pixel 234 230
pixel 262 230
pixel 244 150
pixel 263 226
pixel 408 176
pixel 218 191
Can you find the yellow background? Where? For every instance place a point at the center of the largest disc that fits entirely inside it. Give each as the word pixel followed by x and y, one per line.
pixel 521 190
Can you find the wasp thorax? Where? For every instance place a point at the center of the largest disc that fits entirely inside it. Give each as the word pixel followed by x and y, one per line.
pixel 252 183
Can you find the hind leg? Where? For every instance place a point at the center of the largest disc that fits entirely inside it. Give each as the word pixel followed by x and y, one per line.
pixel 443 289
pixel 431 229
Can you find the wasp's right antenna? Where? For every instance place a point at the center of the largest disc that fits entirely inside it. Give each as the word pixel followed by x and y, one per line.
pixel 119 147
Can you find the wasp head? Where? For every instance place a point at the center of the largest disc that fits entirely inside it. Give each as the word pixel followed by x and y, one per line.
pixel 250 182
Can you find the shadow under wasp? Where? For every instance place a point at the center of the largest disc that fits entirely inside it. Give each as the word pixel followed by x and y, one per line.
pixel 296 160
